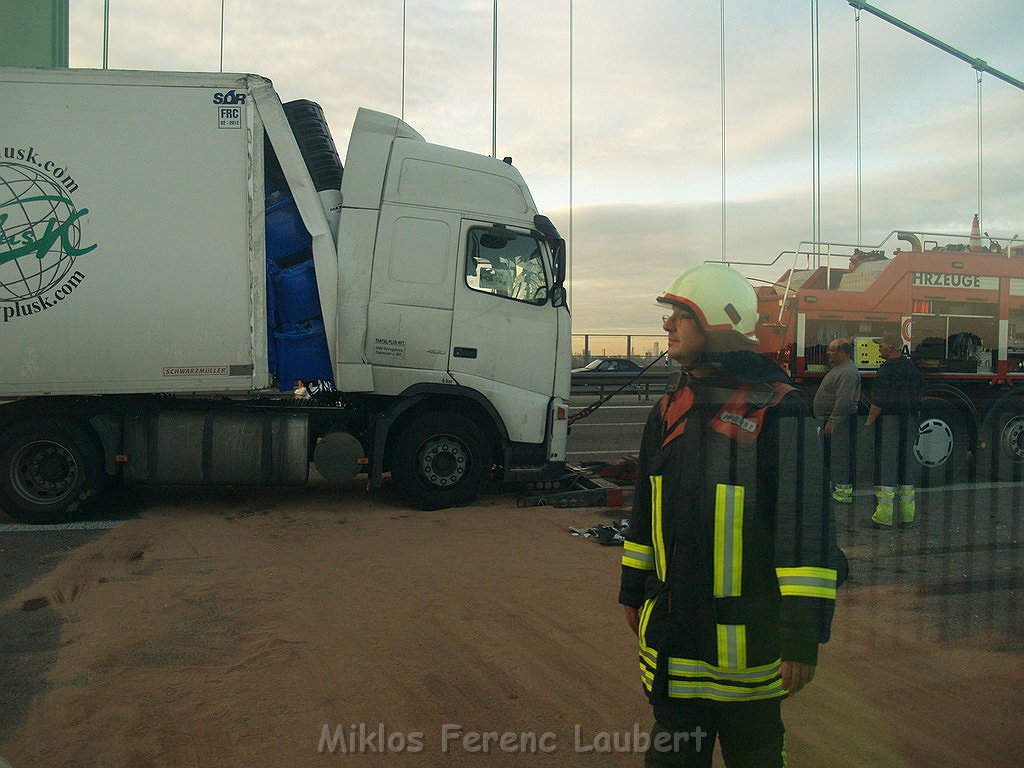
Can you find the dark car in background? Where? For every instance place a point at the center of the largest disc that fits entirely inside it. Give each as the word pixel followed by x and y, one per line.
pixel 609 365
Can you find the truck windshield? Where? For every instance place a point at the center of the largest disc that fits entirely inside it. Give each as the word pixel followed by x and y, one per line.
pixel 506 264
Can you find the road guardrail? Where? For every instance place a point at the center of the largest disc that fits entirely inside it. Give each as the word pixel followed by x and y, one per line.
pixel 652 382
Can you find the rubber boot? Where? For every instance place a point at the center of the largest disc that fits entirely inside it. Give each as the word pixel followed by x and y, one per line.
pixel 885 495
pixel 907 505
pixel 843 494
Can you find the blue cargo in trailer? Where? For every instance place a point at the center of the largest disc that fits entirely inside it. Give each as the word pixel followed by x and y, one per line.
pixel 296 299
pixel 286 234
pixel 302 355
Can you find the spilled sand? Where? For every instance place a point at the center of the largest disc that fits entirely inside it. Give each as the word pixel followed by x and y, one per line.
pixel 324 627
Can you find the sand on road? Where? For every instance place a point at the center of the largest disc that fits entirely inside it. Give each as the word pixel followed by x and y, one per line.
pixel 324 627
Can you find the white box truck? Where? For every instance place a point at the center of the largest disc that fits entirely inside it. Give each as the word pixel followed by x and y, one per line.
pixel 180 251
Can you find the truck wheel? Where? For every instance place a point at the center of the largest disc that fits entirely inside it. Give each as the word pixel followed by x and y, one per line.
pixel 48 468
pixel 1011 447
pixel 943 442
pixel 441 460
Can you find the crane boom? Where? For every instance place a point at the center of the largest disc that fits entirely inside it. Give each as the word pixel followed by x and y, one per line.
pixel 978 64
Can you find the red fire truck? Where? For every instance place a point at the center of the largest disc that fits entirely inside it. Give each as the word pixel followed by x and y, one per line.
pixel 959 307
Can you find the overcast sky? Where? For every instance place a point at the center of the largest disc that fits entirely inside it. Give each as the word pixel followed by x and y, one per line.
pixel 646 113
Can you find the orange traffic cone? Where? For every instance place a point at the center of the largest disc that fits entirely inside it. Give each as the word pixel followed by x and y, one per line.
pixel 975 241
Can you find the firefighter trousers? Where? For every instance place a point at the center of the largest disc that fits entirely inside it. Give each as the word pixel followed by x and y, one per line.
pixel 750 733
pixel 895 462
pixel 839 449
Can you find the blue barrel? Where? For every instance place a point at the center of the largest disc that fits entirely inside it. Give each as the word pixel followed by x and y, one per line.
pixel 296 299
pixel 271 319
pixel 285 232
pixel 302 355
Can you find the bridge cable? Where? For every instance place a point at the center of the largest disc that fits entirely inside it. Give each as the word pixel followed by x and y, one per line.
pixel 723 90
pixel 815 136
pixel 569 238
pixel 860 235
pixel 981 187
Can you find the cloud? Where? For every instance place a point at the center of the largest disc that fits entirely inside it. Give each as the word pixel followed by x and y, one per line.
pixel 646 111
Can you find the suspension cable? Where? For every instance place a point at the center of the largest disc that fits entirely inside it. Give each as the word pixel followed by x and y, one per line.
pixel 722 88
pixel 860 234
pixel 981 187
pixel 403 57
pixel 815 135
pixel 569 240
pixel 494 84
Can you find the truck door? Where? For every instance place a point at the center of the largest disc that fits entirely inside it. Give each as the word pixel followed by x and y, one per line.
pixel 504 327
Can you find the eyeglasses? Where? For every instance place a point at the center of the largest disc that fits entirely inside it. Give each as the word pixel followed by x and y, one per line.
pixel 672 319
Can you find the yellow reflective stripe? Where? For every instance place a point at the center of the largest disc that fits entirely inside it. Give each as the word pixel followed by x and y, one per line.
pixel 741 684
pixel 646 677
pixel 659 540
pixel 645 616
pixel 807 581
pixel 647 652
pixel 728 540
pixel 732 645
pixel 680 689
pixel 697 668
pixel 637 555
pixel 648 656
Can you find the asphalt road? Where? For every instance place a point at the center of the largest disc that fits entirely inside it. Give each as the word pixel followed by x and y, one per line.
pixel 612 431
pixel 29 639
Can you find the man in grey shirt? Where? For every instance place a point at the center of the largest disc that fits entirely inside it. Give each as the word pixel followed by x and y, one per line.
pixel 836 403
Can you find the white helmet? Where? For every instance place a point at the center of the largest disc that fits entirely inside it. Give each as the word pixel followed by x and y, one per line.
pixel 721 298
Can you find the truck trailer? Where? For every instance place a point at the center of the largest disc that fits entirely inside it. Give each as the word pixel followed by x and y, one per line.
pixel 957 303
pixel 181 253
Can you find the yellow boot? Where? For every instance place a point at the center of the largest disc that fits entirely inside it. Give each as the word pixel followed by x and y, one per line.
pixel 907 505
pixel 843 493
pixel 885 495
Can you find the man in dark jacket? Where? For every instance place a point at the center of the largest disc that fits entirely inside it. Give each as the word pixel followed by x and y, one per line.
pixel 728 569
pixel 895 402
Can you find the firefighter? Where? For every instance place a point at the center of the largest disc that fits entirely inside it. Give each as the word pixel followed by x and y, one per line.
pixel 835 404
pixel 728 569
pixel 896 398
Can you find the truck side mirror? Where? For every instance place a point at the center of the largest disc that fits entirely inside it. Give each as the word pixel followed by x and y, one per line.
pixel 559 261
pixel 558 296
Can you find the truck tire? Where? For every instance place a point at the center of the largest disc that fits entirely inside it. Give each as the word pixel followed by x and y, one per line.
pixel 441 460
pixel 1010 444
pixel 944 442
pixel 49 467
pixel 312 134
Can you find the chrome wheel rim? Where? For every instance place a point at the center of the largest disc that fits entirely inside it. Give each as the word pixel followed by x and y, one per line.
pixel 44 472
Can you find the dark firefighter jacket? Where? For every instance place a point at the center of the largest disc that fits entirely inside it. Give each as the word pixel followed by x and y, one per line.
pixel 730 553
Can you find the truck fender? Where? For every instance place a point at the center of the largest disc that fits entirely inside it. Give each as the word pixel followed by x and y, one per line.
pixel 108 430
pixel 952 395
pixel 413 399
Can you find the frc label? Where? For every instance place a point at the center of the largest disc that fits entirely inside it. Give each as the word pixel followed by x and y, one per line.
pixel 42 233
pixel 229 117
pixel 229 110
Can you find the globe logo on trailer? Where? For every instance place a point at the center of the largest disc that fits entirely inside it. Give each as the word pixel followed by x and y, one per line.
pixel 40 233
